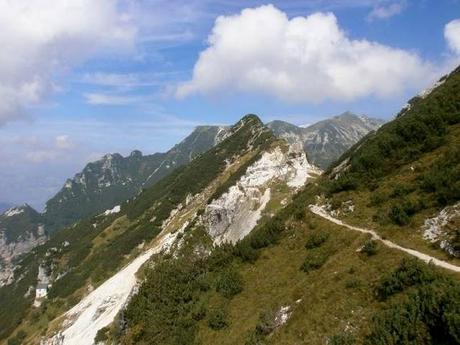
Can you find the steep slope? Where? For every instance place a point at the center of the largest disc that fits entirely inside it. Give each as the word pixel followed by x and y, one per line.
pixel 247 164
pixel 327 140
pixel 302 277
pixel 404 180
pixel 113 179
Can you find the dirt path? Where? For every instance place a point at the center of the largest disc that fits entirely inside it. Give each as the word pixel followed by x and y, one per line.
pixel 320 211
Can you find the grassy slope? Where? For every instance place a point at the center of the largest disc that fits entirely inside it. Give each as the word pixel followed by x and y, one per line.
pixel 327 305
pixel 338 298
pixel 411 164
pixel 369 212
pixel 343 296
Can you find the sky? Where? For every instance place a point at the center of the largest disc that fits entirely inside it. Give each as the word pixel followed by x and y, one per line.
pixel 81 78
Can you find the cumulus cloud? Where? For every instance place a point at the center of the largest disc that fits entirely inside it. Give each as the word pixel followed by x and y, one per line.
pixel 452 35
pixel 303 59
pixel 42 38
pixel 386 10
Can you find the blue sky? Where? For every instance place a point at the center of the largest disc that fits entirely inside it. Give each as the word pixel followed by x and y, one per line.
pixel 80 78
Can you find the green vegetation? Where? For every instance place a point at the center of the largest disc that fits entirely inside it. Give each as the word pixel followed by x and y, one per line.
pixel 316 239
pixel 422 307
pixel 419 130
pixel 370 247
pixel 217 319
pixel 229 283
pixel 313 261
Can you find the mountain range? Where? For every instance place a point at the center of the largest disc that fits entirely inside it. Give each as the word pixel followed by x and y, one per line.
pixel 327 140
pixel 105 183
pixel 251 243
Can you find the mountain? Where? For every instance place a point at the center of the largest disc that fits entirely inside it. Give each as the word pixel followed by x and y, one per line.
pixel 327 140
pixel 107 182
pixel 351 259
pixel 249 244
pixel 223 193
pixel 21 229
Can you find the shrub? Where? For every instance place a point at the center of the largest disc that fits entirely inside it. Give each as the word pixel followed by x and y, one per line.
pixel 410 272
pixel 267 234
pixel 266 323
pixel 377 199
pixel 101 335
pixel 299 213
pixel 398 215
pixel 18 338
pixel 245 251
pixel 316 240
pixel 217 319
pixel 229 283
pixel 346 182
pixel 313 261
pixel 199 311
pixel 370 247
pixel 353 283
pixel 401 190
pixel 342 339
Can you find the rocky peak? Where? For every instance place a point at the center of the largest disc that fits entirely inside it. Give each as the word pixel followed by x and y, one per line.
pixel 325 141
pixel 136 154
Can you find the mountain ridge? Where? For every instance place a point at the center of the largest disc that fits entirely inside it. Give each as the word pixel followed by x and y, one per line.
pixel 325 141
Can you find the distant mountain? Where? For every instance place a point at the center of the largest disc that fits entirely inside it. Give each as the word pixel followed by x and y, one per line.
pixel 107 182
pixel 4 206
pixel 327 140
pixel 21 229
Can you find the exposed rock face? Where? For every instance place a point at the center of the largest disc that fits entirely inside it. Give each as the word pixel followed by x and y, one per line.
pixel 327 140
pixel 444 229
pixel 27 241
pixel 20 232
pixel 233 215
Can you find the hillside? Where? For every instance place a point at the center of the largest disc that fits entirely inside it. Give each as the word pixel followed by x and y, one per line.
pixel 227 189
pixel 232 249
pixel 325 141
pixel 339 264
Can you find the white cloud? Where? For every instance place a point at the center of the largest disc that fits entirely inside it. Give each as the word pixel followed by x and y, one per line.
pixel 452 35
pixel 42 38
pixel 387 10
pixel 303 59
pixel 96 98
pixel 40 150
pixel 63 142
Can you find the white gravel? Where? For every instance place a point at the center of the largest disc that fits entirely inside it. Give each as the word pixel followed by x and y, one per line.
pixel 98 309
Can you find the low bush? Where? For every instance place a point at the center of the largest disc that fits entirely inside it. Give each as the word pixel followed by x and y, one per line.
pixel 314 261
pixel 316 240
pixel 217 319
pixel 409 273
pixel 229 283
pixel 398 215
pixel 370 247
pixel 342 339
